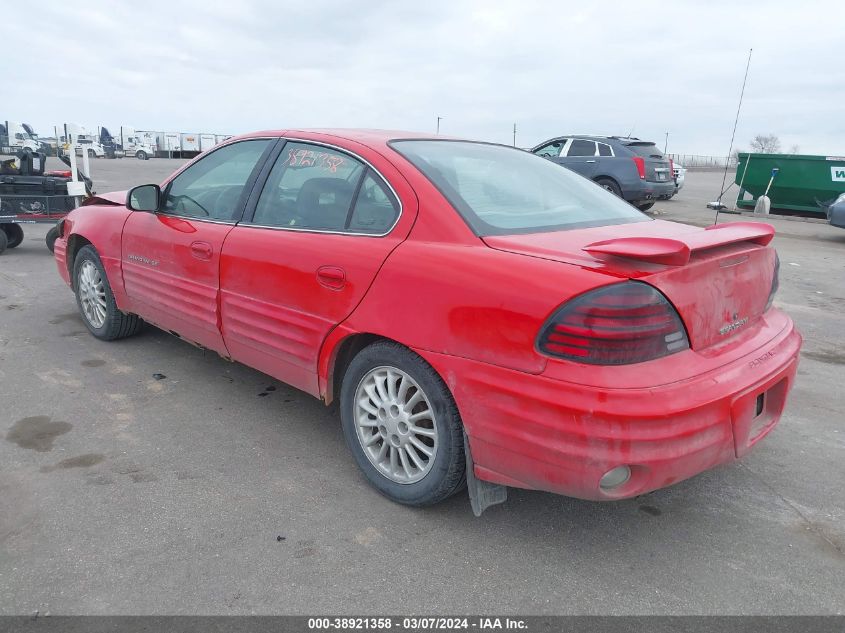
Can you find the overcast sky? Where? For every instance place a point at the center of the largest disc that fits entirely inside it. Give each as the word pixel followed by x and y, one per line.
pixel 551 67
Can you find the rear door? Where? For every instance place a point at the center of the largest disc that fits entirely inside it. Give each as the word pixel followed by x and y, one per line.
pixel 310 245
pixel 171 259
pixel 580 156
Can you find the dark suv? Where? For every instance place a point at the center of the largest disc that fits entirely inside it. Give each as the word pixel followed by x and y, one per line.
pixel 632 169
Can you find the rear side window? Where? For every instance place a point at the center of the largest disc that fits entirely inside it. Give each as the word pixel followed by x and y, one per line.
pixel 646 150
pixel 580 147
pixel 604 149
pixel 309 187
pixel 376 208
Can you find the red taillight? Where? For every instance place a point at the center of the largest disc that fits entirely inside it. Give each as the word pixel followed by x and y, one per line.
pixel 775 283
pixel 621 324
pixel 671 168
pixel 639 161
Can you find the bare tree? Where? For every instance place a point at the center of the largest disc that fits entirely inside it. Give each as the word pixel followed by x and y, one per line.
pixel 765 144
pixel 794 150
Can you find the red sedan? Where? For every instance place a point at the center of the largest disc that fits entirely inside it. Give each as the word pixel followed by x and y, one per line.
pixel 480 314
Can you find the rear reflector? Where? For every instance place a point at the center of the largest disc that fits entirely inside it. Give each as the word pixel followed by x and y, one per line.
pixel 621 324
pixel 639 161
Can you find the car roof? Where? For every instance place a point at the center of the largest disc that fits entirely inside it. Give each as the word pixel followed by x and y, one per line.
pixel 364 136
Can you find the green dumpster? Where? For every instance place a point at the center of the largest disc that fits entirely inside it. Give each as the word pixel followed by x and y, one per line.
pixel 803 183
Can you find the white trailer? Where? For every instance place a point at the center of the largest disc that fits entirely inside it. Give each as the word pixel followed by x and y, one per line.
pixel 190 143
pixel 168 144
pixel 207 141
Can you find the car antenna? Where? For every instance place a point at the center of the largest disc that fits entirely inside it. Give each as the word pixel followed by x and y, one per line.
pixel 717 204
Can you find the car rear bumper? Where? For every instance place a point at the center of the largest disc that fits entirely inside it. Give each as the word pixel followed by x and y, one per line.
pixel 536 432
pixel 646 190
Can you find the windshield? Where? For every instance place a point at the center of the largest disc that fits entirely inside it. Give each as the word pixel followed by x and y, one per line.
pixel 500 190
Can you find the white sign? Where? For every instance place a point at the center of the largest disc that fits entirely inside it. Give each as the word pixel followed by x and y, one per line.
pixel 837 174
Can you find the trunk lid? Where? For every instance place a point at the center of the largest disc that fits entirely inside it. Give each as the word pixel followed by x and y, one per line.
pixel 719 279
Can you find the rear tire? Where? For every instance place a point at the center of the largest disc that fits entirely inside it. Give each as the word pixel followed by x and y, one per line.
pixel 610 185
pixel 645 206
pixel 14 234
pixel 411 454
pixel 96 301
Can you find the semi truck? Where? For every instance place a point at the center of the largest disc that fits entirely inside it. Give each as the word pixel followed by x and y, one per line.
pixel 141 145
pixel 19 136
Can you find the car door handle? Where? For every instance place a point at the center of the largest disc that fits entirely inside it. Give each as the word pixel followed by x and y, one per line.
pixel 331 277
pixel 201 250
pixel 591 161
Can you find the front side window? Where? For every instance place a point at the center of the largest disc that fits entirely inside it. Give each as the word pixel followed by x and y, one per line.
pixel 309 187
pixel 550 150
pixel 500 190
pixel 211 188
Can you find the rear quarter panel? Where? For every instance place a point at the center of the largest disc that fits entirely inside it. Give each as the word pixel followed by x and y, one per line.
pixel 469 301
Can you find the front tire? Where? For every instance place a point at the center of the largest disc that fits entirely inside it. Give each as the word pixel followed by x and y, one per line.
pixel 645 206
pixel 96 301
pixel 402 425
pixel 14 234
pixel 141 155
pixel 51 237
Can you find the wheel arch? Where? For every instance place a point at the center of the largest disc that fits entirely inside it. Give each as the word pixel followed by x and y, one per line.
pixel 607 177
pixel 335 359
pixel 75 243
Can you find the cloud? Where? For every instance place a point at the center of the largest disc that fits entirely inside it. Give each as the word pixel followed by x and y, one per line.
pixel 551 68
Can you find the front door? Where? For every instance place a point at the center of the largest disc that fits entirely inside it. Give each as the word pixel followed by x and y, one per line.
pixel 171 259
pixel 302 260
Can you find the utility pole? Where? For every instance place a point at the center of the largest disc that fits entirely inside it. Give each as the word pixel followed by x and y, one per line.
pixel 438 124
pixel 666 144
pixel 514 134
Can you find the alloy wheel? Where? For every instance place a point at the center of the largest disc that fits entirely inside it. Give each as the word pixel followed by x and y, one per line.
pixel 395 424
pixel 92 294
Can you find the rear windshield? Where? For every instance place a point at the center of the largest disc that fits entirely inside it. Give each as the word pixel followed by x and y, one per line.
pixel 500 190
pixel 647 150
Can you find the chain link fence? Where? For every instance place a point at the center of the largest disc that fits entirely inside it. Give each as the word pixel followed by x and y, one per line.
pixel 700 161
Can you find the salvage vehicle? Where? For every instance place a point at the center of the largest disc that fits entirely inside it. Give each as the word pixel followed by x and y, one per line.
pixel 479 314
pixel 632 169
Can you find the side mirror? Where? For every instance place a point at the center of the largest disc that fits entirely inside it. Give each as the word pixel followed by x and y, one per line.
pixel 144 198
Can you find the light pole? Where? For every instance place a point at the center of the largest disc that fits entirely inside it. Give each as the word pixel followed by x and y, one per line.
pixel 438 124
pixel 666 143
pixel 514 134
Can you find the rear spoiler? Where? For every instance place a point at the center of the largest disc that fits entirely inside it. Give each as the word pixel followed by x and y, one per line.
pixel 677 251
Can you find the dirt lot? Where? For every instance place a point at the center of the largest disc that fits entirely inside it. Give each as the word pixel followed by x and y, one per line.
pixel 207 492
